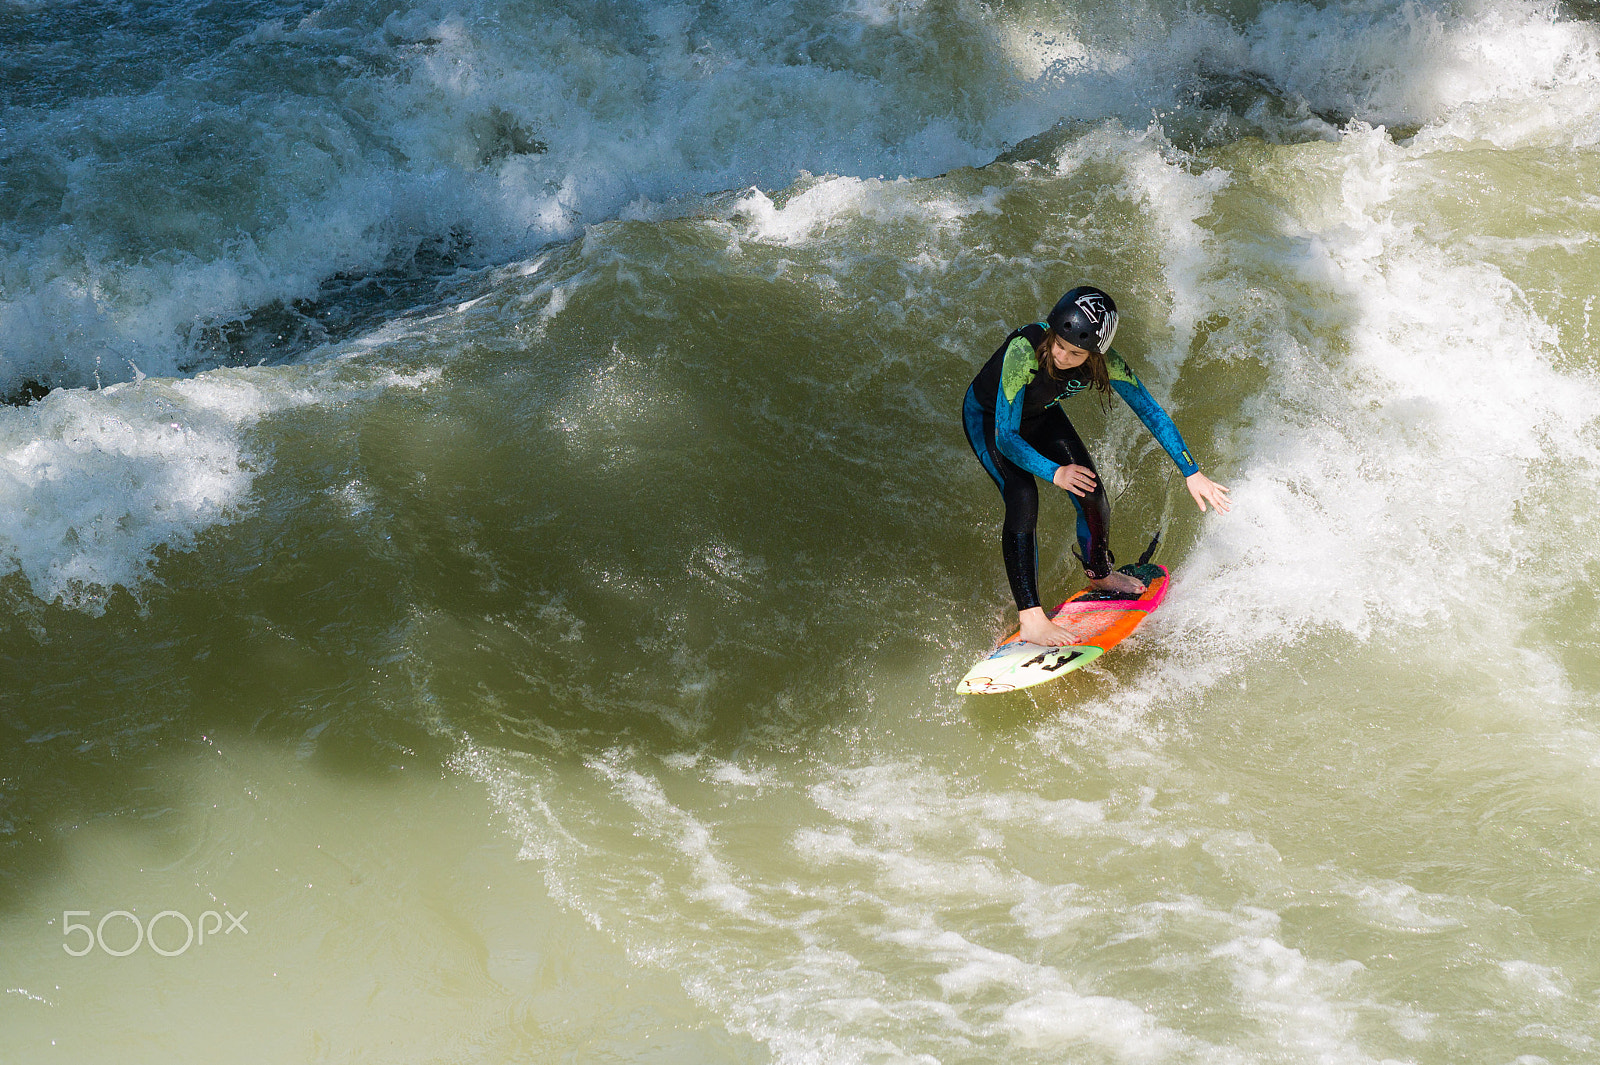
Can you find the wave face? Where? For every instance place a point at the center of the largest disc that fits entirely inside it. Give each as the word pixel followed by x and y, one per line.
pixel 562 401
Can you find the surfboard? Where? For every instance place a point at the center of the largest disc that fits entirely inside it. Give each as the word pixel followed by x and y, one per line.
pixel 1098 621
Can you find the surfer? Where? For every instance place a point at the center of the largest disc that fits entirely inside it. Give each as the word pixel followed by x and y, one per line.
pixel 1019 431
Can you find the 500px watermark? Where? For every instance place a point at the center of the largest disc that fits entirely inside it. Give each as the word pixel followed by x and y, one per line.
pixel 194 932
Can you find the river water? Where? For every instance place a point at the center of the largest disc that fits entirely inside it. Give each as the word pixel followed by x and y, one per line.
pixel 483 506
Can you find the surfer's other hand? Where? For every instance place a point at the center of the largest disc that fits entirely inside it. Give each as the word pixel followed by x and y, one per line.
pixel 1205 490
pixel 1038 628
pixel 1079 480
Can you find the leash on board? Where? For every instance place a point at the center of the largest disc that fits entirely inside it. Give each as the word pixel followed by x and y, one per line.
pixel 1161 530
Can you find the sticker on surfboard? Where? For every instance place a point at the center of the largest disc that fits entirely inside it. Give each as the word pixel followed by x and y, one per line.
pixel 1098 621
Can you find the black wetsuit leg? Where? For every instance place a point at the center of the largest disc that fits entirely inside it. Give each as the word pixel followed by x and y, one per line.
pixel 1053 437
pixel 1019 545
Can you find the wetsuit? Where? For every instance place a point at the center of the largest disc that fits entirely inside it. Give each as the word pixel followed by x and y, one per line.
pixel 1018 430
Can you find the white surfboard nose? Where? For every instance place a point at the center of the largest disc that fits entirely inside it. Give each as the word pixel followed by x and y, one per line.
pixel 1022 665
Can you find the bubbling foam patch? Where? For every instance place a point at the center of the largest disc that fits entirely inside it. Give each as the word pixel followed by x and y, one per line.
pixel 1407 65
pixel 1392 471
pixel 92 484
pixel 818 966
pixel 1383 432
pixel 909 912
pixel 159 230
pixel 203 222
pixel 823 202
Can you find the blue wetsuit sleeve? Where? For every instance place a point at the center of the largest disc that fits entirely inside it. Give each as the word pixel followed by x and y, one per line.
pixel 1019 368
pixel 1126 384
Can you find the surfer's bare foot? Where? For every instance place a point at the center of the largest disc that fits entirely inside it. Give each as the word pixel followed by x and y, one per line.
pixel 1118 582
pixel 1038 628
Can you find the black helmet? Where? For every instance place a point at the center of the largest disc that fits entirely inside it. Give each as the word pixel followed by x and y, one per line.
pixel 1085 317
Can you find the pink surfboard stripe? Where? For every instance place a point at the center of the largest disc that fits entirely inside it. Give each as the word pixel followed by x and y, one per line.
pixel 1146 605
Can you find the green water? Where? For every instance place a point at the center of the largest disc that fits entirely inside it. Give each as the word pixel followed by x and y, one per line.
pixel 562 669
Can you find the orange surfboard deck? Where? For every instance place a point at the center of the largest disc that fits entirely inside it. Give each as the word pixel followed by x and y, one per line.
pixel 1098 621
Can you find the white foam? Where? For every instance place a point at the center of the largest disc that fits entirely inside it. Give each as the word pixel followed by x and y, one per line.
pixel 1541 980
pixel 431 125
pixel 298 187
pixel 1297 1000
pixel 900 804
pixel 807 991
pixel 1403 907
pixel 891 940
pixel 1402 378
pixel 1058 1019
pixel 1446 386
pixel 828 201
pixel 715 882
pixel 93 484
pixel 737 776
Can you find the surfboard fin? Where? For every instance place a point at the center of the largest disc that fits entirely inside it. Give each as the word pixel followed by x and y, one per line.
pixel 1150 552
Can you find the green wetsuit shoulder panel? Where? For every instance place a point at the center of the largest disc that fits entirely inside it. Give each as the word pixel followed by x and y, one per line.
pixel 1019 367
pixel 1118 369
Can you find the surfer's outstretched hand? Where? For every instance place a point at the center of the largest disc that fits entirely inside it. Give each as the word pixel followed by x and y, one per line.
pixel 1038 628
pixel 1205 490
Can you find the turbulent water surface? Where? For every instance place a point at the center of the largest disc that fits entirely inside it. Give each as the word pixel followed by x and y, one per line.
pixel 487 541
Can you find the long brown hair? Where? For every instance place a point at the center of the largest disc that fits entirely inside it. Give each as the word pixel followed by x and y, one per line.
pixel 1099 374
